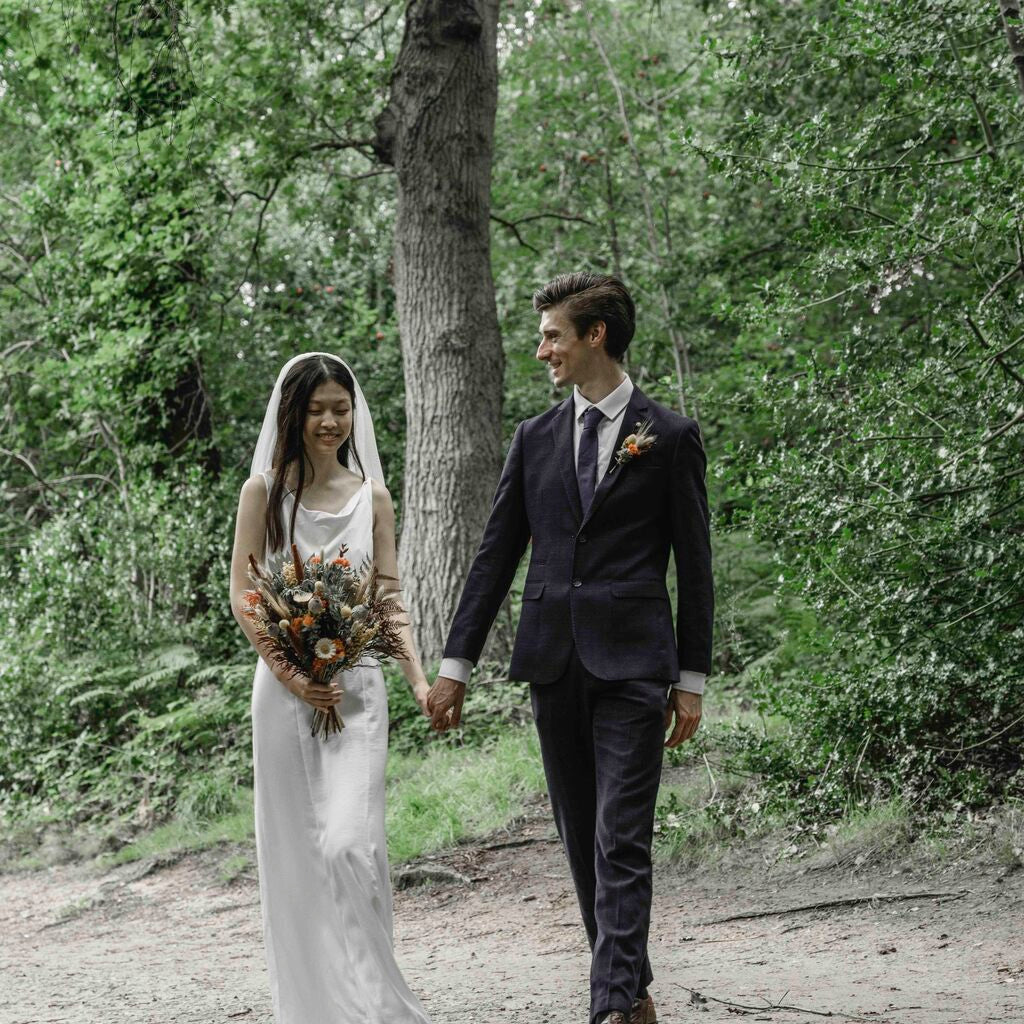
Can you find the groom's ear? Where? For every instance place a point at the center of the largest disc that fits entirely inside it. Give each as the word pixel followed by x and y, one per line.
pixel 597 334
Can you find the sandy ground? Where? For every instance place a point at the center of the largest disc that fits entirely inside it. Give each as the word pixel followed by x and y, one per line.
pixel 156 944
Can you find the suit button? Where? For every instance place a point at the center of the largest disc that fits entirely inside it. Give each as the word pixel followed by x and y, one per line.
pixel 577 583
pixel 582 538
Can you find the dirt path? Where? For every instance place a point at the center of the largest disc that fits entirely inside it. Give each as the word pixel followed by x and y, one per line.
pixel 175 944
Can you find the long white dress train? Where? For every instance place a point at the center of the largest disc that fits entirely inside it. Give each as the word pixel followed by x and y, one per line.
pixel 320 841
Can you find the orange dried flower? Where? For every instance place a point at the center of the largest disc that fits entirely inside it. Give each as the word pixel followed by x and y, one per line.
pixel 308 620
pixel 251 598
pixel 343 562
pixel 636 444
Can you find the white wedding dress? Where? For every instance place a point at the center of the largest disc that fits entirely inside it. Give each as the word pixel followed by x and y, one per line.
pixel 320 842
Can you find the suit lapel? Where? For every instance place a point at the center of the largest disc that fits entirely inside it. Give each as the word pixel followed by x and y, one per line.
pixel 562 432
pixel 635 413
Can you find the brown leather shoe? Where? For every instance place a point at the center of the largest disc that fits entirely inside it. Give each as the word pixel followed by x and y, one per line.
pixel 643 1012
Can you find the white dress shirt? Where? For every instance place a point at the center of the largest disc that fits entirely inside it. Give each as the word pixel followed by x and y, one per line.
pixel 613 406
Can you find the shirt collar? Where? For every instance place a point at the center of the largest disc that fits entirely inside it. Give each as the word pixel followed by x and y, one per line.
pixel 612 405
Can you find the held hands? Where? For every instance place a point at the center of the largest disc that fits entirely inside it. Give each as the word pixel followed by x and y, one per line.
pixel 420 691
pixel 687 709
pixel 444 703
pixel 317 695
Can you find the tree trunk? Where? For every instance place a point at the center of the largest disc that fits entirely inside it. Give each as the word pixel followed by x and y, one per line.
pixel 438 132
pixel 1009 10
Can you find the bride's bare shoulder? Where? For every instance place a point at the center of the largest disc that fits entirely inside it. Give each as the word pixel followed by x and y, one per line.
pixel 254 489
pixel 381 498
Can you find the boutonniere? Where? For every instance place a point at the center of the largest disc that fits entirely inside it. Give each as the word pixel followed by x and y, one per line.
pixel 636 444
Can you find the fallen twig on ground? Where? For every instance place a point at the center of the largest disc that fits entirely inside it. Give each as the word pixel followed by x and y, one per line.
pixel 419 873
pixel 698 998
pixel 849 901
pixel 510 843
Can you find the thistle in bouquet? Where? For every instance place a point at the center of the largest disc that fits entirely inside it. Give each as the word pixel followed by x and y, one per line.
pixel 320 617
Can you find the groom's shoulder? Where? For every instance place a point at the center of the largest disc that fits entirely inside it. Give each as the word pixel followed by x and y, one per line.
pixel 670 422
pixel 542 419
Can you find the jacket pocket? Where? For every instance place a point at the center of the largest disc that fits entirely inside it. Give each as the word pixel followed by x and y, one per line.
pixel 532 591
pixel 639 588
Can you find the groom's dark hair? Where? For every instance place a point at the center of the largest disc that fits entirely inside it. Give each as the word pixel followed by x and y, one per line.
pixel 587 298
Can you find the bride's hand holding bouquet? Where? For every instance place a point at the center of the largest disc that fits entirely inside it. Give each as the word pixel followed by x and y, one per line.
pixel 315 618
pixel 322 696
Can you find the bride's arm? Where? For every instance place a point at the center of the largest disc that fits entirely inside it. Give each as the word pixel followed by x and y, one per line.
pixel 250 536
pixel 386 559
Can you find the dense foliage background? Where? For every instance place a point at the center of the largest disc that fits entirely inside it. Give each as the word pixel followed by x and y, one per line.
pixel 818 207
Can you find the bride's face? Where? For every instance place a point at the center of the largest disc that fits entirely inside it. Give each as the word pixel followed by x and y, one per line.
pixel 328 418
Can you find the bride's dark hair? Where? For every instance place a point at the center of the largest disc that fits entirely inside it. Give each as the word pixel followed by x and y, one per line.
pixel 296 390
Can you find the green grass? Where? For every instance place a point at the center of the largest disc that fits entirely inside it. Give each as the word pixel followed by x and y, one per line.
pixel 233 868
pixel 879 833
pixel 186 834
pixel 1008 837
pixel 448 794
pixel 434 799
pixel 699 817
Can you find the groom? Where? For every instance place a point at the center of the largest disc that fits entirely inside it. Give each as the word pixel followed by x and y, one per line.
pixel 604 485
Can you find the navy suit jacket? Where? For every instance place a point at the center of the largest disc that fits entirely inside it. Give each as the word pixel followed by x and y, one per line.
pixel 596 581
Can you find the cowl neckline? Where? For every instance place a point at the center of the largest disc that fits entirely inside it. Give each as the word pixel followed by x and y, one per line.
pixel 349 505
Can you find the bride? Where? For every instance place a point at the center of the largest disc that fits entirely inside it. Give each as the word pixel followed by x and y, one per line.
pixel 319 804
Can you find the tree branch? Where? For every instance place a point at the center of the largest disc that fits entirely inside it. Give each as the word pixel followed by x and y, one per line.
pixel 27 463
pixel 1019 268
pixel 985 126
pixel 511 225
pixel 338 144
pixel 856 168
pixel 680 347
pixel 555 216
pixel 998 357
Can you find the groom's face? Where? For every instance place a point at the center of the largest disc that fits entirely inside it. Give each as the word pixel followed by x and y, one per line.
pixel 567 354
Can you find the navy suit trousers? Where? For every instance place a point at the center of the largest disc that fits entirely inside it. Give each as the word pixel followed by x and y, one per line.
pixel 602 743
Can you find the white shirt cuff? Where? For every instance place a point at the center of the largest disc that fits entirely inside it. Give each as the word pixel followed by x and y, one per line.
pixel 459 669
pixel 690 682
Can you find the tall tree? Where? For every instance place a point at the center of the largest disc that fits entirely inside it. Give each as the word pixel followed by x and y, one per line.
pixel 438 132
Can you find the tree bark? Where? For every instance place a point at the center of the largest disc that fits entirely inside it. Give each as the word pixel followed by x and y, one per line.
pixel 1009 10
pixel 438 132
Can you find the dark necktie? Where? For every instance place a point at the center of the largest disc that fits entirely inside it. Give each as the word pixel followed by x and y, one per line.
pixel 586 461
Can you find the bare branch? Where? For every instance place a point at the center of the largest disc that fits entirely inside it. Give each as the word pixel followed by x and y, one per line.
pixel 680 348
pixel 511 225
pixel 998 357
pixel 857 168
pixel 985 126
pixel 1018 269
pixel 29 465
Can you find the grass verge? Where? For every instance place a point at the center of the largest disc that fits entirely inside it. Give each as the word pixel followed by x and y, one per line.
pixel 435 798
pixel 187 834
pixel 448 794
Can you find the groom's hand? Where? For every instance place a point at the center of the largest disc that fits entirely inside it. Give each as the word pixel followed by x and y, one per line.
pixel 686 708
pixel 444 703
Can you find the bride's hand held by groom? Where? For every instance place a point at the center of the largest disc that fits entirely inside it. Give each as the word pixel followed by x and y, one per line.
pixel 444 703
pixel 420 691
